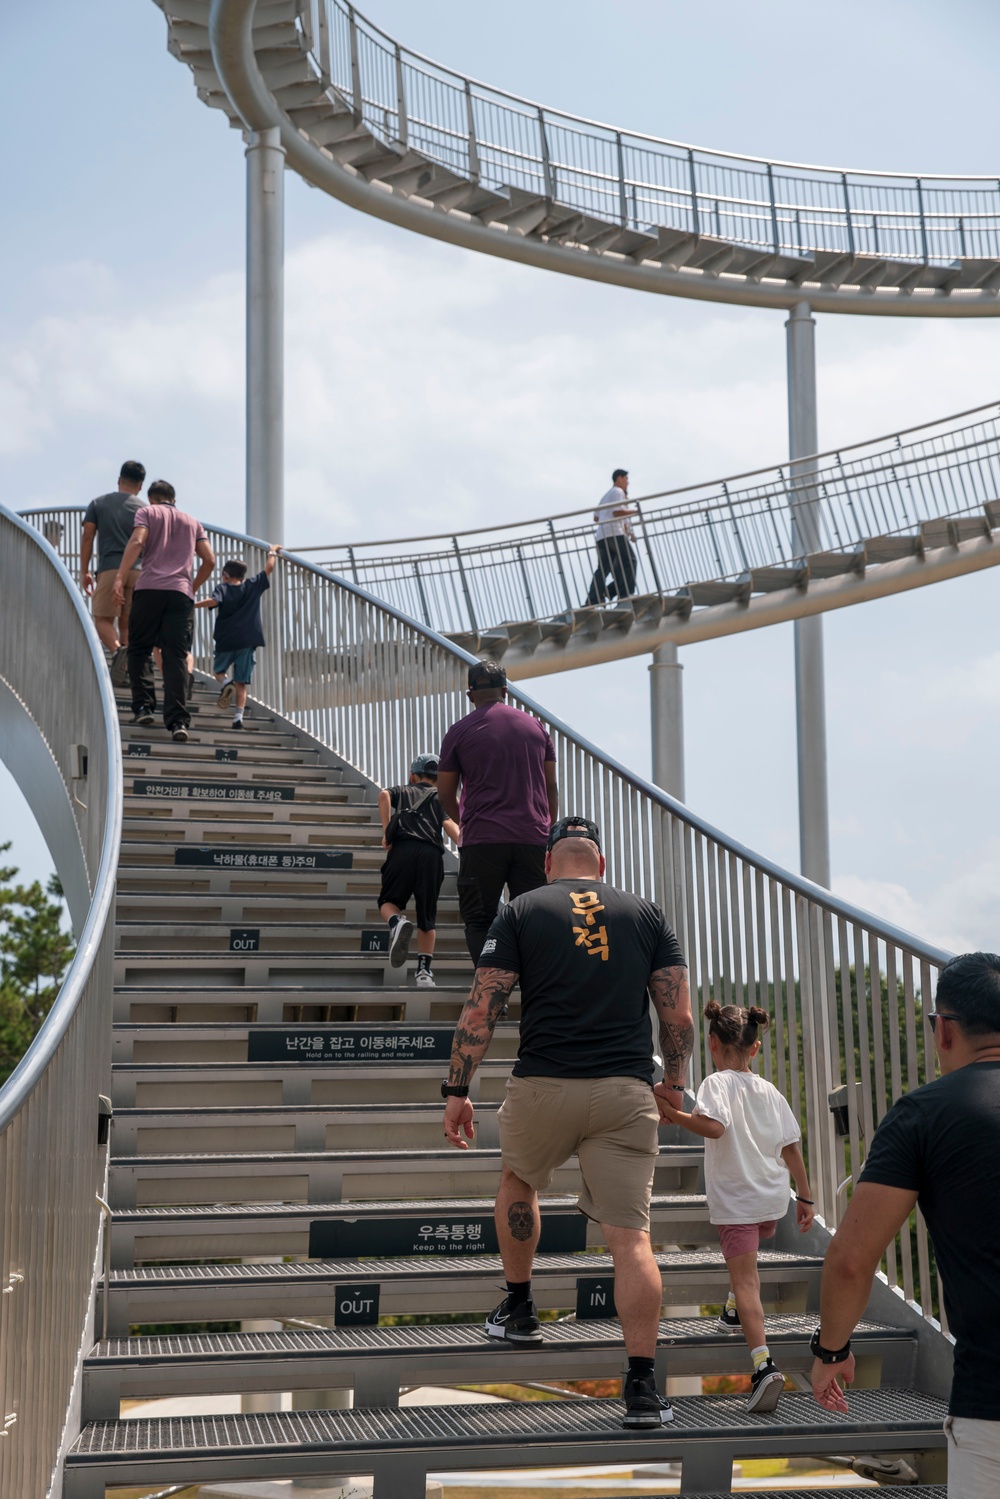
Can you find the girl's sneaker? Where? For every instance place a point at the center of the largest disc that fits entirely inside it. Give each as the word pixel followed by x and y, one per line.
pixel 729 1321
pixel 765 1389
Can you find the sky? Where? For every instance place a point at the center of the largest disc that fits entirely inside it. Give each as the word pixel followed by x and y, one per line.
pixel 427 386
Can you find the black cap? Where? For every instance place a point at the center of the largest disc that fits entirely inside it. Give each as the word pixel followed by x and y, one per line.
pixel 485 674
pixel 573 827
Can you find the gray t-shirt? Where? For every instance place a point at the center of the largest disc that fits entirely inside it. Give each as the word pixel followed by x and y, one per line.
pixel 114 515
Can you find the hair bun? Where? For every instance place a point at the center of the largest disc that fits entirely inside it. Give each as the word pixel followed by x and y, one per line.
pixel 759 1017
pixel 713 1010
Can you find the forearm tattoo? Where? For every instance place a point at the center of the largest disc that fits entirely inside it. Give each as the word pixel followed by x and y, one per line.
pixel 668 989
pixel 477 1022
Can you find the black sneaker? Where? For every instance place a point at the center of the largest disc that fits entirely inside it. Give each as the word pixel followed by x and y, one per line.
pixel 765 1389
pixel 729 1321
pixel 119 667
pixel 399 941
pixel 180 734
pixel 645 1408
pixel 518 1326
pixel 145 716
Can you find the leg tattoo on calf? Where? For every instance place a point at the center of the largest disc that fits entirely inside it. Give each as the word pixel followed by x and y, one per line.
pixel 520 1221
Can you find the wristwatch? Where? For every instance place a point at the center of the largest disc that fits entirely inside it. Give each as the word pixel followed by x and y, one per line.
pixel 452 1090
pixel 827 1355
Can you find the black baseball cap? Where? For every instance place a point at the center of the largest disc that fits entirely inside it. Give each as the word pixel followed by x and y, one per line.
pixel 486 674
pixel 573 827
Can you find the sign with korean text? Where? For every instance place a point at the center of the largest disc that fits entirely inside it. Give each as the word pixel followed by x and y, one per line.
pixel 212 791
pixel 469 1233
pixel 199 857
pixel 350 1043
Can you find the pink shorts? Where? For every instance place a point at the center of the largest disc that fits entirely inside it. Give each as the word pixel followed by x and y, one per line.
pixel 744 1238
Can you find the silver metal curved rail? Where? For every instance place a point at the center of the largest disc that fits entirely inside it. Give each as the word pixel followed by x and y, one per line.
pixel 59 735
pixel 399 136
pixel 879 517
pixel 848 993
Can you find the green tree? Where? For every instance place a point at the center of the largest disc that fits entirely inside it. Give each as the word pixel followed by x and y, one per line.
pixel 34 954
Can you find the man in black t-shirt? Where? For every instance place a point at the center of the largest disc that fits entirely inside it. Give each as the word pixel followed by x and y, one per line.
pixel 589 958
pixel 938 1147
pixel 412 823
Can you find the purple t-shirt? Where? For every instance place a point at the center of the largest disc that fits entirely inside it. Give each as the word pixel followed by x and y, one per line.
pixel 168 556
pixel 500 753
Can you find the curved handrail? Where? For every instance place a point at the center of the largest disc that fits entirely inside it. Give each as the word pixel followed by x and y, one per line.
pixel 395 135
pixel 62 709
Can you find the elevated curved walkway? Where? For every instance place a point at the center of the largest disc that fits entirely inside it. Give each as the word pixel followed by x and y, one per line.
pixel 777 544
pixel 398 136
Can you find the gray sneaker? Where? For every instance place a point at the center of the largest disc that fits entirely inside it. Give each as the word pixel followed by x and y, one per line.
pixel 399 942
pixel 119 667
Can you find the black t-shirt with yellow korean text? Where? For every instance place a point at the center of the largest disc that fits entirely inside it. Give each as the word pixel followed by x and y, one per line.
pixel 584 952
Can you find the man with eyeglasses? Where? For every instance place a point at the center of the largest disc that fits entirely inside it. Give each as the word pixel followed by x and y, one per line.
pixel 938 1147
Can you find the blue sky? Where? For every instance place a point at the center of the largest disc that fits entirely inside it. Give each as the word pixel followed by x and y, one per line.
pixel 427 383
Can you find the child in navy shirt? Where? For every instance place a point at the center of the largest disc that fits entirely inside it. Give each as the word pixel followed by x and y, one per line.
pixel 238 629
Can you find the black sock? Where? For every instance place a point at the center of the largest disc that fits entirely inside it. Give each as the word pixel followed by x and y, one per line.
pixel 394 919
pixel 424 960
pixel 518 1291
pixel 640 1368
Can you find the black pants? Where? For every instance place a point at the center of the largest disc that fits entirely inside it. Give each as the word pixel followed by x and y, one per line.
pixel 165 618
pixel 483 870
pixel 615 555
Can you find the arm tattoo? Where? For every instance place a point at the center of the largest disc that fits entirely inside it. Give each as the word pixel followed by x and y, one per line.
pixel 668 989
pixel 486 1003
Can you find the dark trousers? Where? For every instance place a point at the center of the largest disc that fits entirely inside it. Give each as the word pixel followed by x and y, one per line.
pixel 615 555
pixel 165 618
pixel 483 870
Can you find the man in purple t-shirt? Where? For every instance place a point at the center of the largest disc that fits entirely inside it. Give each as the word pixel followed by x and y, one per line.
pixel 163 603
pixel 507 766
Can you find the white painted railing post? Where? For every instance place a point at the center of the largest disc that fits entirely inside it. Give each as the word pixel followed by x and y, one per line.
pixel 666 702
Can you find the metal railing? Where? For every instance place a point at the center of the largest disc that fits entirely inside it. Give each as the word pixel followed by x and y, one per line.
pixel 727 529
pixel 848 993
pixel 639 183
pixel 52 667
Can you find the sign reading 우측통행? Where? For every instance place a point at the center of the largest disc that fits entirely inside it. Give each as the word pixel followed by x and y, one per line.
pixel 471 1233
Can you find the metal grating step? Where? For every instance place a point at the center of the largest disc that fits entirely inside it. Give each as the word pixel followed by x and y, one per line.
pixel 400 1445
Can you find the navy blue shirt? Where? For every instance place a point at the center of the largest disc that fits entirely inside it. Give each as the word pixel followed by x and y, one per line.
pixel 237 619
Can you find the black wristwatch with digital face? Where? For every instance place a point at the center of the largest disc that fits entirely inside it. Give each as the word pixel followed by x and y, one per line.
pixel 827 1355
pixel 452 1090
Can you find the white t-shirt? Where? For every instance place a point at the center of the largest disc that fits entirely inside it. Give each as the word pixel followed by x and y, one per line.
pixel 609 524
pixel 745 1178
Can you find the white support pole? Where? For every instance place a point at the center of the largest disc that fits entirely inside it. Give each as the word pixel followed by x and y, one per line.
pixel 265 336
pixel 810 695
pixel 666 701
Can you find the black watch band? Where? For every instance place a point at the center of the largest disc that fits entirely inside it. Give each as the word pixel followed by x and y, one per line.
pixel 452 1090
pixel 828 1355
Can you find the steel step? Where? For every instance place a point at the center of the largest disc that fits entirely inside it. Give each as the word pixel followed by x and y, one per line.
pixel 375 1361
pixel 151 1085
pixel 165 881
pixel 400 1446
pixel 173 936
pixel 244 851
pixel 235 1230
pixel 344 1175
pixel 301 908
pixel 431 1284
pixel 365 966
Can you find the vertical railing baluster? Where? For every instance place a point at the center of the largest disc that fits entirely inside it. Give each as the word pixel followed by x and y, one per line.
pixel 775 237
pixel 356 91
pixel 402 119
pixel 470 118
pixel 693 188
pixel 923 221
pixel 465 585
pixel 559 565
pixel 847 212
pixel 622 197
pixel 543 141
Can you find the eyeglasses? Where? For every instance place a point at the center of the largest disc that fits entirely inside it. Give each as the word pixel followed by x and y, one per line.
pixel 942 1015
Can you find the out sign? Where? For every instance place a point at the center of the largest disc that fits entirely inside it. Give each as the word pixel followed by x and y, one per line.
pixel 595 1298
pixel 244 939
pixel 356 1306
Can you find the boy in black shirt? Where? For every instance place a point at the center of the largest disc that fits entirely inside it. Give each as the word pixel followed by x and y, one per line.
pixel 412 823
pixel 238 629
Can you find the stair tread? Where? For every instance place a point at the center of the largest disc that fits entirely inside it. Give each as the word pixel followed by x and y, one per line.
pixel 458 1159
pixel 408 1207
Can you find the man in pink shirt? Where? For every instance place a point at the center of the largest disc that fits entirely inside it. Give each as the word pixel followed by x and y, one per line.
pixel 168 540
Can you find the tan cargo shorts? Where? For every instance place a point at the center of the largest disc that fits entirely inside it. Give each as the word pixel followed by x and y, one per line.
pixel 609 1123
pixel 104 606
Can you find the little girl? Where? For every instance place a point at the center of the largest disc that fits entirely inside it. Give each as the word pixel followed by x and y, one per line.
pixel 751 1144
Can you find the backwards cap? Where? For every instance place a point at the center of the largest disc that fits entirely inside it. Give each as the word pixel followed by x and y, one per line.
pixel 573 827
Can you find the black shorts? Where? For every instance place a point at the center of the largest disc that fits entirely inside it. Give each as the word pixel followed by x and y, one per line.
pixel 413 868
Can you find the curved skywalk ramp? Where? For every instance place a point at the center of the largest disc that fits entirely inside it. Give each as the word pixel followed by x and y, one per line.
pixel 398 136
pixel 879 517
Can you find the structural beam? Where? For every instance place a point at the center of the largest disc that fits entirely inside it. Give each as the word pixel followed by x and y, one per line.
pixel 810 688
pixel 666 701
pixel 265 380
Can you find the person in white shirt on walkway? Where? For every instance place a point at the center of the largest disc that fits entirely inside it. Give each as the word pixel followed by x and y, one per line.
pixel 615 552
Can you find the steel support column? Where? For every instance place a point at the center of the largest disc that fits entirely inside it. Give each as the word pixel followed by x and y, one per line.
pixel 666 701
pixel 810 693
pixel 265 336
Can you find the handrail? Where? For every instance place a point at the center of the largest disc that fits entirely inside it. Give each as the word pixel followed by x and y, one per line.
pixel 847 991
pixel 61 711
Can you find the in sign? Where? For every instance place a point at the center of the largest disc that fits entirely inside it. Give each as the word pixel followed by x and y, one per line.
pixel 375 941
pixel 227 754
pixel 595 1298
pixel 356 1306
pixel 244 939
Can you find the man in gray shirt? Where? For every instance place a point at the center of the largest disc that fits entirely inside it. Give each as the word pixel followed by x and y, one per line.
pixel 109 518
